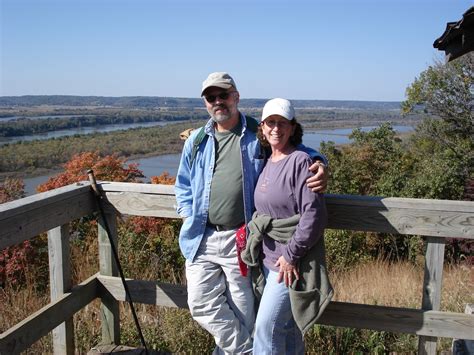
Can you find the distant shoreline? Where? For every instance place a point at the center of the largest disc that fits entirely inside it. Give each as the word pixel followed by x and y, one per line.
pixel 160 102
pixel 31 158
pixel 53 171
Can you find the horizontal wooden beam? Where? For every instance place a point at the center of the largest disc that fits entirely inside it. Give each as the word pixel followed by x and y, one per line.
pixel 435 218
pixel 142 204
pixel 152 200
pixel 406 216
pixel 147 292
pixel 28 217
pixel 399 320
pixel 25 218
pixel 21 336
pixel 340 314
pixel 155 189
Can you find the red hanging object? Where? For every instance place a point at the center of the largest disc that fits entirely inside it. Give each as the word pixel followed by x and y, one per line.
pixel 241 242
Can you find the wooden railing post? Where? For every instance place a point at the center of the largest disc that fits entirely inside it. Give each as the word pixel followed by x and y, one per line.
pixel 434 261
pixel 60 283
pixel 110 307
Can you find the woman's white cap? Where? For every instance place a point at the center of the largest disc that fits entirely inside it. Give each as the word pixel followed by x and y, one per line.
pixel 281 107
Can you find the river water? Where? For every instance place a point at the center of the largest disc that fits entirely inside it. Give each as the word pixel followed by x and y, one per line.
pixel 83 130
pixel 12 118
pixel 155 166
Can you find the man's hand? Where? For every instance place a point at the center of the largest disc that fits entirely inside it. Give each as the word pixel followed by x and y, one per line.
pixel 318 182
pixel 185 134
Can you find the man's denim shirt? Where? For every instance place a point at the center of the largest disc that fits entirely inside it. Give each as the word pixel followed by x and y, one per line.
pixel 193 183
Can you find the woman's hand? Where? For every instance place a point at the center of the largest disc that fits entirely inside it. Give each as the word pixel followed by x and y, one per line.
pixel 288 272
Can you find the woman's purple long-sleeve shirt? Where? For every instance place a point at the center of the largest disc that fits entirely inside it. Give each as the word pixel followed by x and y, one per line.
pixel 281 192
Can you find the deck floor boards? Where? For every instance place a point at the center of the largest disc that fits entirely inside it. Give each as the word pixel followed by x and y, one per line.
pixel 122 350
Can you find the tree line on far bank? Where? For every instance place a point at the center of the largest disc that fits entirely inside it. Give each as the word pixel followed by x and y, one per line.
pixel 28 126
pixel 146 102
pixel 30 121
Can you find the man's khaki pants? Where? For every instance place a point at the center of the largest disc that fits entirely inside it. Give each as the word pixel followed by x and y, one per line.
pixel 220 298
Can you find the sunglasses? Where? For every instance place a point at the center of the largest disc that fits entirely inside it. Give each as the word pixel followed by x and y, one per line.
pixel 223 96
pixel 272 123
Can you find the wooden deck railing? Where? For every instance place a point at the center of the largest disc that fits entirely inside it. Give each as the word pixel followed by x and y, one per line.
pixel 52 211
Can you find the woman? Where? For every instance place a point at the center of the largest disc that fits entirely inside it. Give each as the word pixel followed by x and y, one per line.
pixel 286 238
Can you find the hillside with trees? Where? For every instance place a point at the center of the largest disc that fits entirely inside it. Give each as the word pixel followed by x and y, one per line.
pixel 175 102
pixel 30 122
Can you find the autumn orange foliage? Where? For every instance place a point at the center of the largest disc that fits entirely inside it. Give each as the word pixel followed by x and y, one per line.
pixel 15 259
pixel 110 168
pixel 11 189
pixel 164 179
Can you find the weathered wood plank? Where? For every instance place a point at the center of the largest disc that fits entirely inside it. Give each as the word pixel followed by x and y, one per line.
pixel 427 345
pixel 148 292
pixel 433 276
pixel 159 189
pixel 60 283
pixel 140 204
pixel 437 218
pixel 340 314
pixel 432 283
pixel 28 217
pixel 141 199
pixel 109 308
pixel 22 205
pixel 399 320
pixel 462 346
pixel 112 349
pixel 21 336
pixel 402 202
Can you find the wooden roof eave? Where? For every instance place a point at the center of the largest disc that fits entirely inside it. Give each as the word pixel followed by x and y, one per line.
pixel 458 38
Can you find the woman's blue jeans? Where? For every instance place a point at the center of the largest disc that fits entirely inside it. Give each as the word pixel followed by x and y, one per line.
pixel 275 329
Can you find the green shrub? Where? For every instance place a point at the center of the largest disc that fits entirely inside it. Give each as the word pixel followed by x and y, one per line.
pixel 333 340
pixel 345 248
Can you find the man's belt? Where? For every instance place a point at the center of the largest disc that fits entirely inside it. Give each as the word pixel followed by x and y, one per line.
pixel 221 228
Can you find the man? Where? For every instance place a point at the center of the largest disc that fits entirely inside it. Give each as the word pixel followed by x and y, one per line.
pixel 214 192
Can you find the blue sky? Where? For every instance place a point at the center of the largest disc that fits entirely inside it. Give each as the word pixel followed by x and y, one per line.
pixel 297 49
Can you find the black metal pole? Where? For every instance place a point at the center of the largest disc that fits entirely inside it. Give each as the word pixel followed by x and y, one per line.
pixel 99 198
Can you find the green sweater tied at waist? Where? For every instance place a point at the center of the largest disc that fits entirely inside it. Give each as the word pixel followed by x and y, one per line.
pixel 309 295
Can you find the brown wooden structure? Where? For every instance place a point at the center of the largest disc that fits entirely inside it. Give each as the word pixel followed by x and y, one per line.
pixel 52 211
pixel 458 38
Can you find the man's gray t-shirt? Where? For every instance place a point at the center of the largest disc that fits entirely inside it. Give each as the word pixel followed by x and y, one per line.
pixel 226 201
pixel 281 192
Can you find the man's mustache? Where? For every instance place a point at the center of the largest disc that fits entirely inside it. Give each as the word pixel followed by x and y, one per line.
pixel 219 106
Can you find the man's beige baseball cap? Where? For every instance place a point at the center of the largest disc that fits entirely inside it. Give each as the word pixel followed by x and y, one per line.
pixel 220 80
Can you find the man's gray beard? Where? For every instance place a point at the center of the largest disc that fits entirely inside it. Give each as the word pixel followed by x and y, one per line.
pixel 220 117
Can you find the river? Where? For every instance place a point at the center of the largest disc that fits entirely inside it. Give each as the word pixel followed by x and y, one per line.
pixel 13 118
pixel 155 166
pixel 83 130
